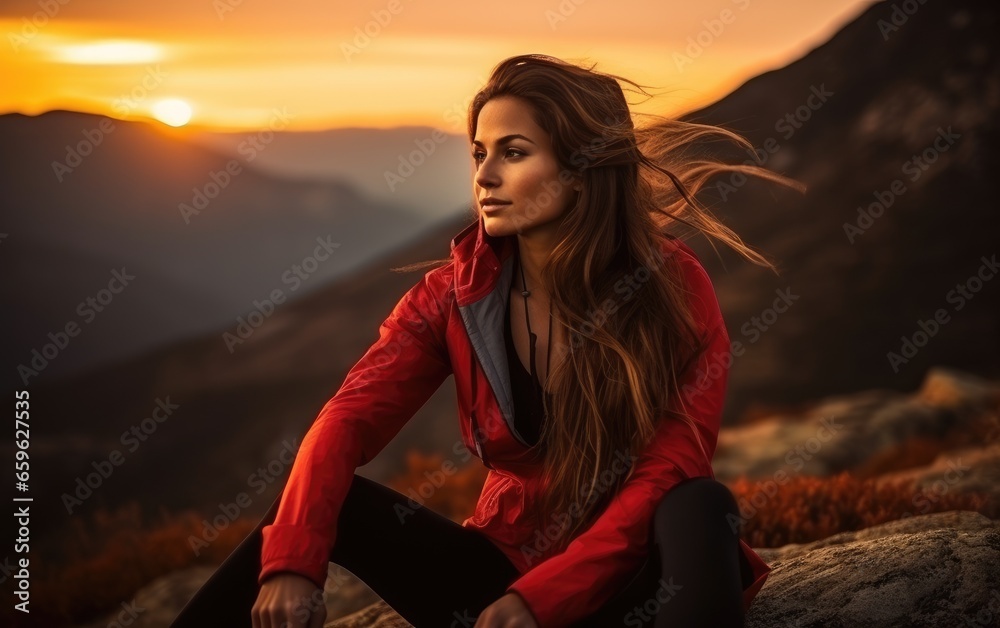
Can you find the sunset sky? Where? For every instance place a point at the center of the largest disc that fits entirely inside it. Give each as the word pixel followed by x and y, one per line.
pixel 231 64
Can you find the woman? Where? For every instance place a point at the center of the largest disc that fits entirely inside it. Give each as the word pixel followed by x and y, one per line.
pixel 590 358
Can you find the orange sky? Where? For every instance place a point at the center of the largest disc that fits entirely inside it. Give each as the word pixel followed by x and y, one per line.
pixel 235 62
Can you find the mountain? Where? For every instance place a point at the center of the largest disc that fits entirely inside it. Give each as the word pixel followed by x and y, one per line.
pixel 204 235
pixel 226 419
pixel 889 264
pixel 415 168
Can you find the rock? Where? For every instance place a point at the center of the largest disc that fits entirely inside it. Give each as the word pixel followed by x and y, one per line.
pixel 940 569
pixel 161 600
pixel 378 615
pixel 966 470
pixel 965 520
pixel 937 570
pixel 839 433
pixel 934 570
pixel 157 603
pixel 949 388
pixel 345 593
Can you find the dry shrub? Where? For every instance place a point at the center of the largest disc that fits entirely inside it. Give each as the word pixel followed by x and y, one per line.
pixel 443 486
pixel 916 451
pixel 757 411
pixel 921 450
pixel 105 558
pixel 809 508
pixel 803 509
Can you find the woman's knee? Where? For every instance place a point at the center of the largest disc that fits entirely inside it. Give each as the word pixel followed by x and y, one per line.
pixel 696 501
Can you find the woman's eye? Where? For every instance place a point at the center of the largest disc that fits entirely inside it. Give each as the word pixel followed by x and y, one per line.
pixel 478 156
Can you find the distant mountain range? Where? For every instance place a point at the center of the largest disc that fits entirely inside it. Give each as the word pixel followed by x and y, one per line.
pixel 849 119
pixel 415 168
pixel 205 234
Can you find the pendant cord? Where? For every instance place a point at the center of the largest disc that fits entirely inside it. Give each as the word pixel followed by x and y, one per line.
pixel 532 337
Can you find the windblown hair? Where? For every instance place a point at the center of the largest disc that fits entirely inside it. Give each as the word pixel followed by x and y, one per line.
pixel 619 376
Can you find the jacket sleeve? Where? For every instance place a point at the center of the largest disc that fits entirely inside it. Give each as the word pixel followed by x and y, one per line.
pixel 600 561
pixel 381 392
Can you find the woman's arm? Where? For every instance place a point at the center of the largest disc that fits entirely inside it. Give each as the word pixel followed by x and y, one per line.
pixel 596 564
pixel 380 393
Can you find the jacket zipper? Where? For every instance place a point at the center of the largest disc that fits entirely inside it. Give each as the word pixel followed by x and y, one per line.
pixel 480 449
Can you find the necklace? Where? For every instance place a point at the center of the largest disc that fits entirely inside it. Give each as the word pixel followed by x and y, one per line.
pixel 531 336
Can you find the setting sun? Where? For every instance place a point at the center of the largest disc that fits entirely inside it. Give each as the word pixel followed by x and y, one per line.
pixel 238 61
pixel 172 111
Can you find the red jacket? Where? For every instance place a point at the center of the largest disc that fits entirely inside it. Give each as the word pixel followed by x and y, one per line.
pixel 451 322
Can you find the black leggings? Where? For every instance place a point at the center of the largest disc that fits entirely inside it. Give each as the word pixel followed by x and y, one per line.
pixel 438 574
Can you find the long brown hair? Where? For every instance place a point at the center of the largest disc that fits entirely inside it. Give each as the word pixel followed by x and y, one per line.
pixel 619 375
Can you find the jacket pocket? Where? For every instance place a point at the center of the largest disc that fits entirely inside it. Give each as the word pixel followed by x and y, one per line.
pixel 480 447
pixel 489 500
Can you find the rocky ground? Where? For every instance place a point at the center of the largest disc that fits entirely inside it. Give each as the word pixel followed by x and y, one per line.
pixel 933 570
pixel 940 569
pixel 937 570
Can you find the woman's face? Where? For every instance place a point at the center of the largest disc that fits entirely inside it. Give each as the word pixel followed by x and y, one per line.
pixel 515 163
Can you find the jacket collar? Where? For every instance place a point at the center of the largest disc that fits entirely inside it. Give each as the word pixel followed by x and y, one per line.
pixel 483 269
pixel 478 258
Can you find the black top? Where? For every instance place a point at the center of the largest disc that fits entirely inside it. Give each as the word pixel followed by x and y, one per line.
pixel 529 412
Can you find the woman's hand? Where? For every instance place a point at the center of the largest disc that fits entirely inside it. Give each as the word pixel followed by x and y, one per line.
pixel 510 611
pixel 288 600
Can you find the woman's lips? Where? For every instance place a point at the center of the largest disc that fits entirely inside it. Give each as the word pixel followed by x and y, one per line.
pixel 492 207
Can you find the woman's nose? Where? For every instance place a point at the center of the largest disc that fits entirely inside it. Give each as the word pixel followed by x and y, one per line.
pixel 486 176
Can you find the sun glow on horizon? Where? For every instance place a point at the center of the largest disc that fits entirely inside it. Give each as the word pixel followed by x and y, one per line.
pixel 183 68
pixel 172 111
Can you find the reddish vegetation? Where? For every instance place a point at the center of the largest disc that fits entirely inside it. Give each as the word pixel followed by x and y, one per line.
pixel 757 411
pixel 803 509
pixel 103 561
pixel 918 451
pixel 106 559
pixel 810 508
pixel 441 485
